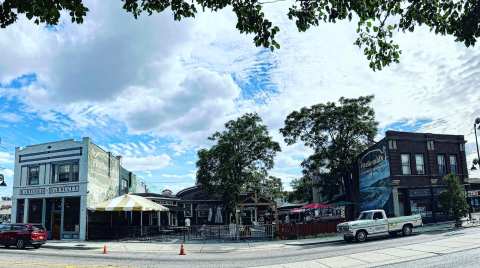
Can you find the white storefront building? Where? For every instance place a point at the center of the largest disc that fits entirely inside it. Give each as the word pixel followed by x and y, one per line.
pixel 55 183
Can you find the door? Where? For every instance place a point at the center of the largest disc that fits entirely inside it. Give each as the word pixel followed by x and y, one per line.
pixel 56 225
pixel 380 223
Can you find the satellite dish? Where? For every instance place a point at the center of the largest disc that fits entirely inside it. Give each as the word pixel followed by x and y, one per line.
pixel 2 180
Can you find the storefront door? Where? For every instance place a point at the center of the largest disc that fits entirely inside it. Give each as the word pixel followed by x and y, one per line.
pixel 56 225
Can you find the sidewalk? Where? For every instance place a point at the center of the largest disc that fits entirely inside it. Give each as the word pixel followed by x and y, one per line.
pixel 399 254
pixel 212 247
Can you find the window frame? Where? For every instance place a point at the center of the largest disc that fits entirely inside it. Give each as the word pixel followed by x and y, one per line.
pixel 392 144
pixel 73 176
pixel 430 145
pixel 441 172
pixel 453 171
pixel 404 165
pixel 376 213
pixel 29 179
pixel 422 165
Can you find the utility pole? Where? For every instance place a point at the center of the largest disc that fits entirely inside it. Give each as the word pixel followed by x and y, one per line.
pixel 2 178
pixel 477 122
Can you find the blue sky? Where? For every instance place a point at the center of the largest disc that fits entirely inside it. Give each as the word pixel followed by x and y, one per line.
pixel 154 89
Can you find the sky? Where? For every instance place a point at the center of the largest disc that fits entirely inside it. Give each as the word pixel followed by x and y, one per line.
pixel 153 89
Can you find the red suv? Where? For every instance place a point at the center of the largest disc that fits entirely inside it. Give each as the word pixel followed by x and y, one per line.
pixel 21 235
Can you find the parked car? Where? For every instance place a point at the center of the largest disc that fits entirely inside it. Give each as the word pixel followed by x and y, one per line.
pixel 376 223
pixel 21 235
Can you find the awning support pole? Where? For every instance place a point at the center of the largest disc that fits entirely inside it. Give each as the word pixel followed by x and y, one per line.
pixel 141 223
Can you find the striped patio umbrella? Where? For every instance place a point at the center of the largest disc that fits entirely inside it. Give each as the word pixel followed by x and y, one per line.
pixel 129 202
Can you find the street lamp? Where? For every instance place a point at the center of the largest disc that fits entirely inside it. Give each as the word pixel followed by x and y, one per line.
pixel 2 180
pixel 477 122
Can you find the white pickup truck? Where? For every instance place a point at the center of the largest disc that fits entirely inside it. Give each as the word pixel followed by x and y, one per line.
pixel 376 223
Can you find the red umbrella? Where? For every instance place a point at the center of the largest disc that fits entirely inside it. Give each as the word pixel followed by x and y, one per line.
pixel 315 206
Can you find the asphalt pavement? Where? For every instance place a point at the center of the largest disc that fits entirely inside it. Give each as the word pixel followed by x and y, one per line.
pixel 376 252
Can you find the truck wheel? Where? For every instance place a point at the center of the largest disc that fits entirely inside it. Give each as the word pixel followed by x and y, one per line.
pixel 20 244
pixel 361 236
pixel 407 230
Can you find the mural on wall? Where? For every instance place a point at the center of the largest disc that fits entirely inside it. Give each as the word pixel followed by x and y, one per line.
pixel 103 175
pixel 375 187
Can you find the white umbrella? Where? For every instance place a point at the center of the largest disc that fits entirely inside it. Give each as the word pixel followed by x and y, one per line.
pixel 218 216
pixel 210 214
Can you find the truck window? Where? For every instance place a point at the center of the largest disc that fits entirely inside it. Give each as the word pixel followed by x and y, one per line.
pixel 365 216
pixel 378 216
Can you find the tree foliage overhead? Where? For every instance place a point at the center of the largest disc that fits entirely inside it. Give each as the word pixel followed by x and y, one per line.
pixel 302 190
pixel 337 133
pixel 240 153
pixel 377 20
pixel 453 200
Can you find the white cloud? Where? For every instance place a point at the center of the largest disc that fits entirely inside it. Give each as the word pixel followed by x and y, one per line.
pixel 10 117
pixel 6 158
pixel 174 79
pixel 146 163
pixel 7 172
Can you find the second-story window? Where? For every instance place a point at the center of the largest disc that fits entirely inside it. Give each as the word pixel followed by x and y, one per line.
pixel 453 164
pixel 405 164
pixel 419 164
pixel 442 170
pixel 124 186
pixel 33 175
pixel 65 172
pixel 392 144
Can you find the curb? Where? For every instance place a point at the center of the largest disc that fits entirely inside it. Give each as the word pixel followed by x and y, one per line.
pixel 70 248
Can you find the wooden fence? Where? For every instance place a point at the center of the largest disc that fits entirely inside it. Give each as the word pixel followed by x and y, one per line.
pixel 302 230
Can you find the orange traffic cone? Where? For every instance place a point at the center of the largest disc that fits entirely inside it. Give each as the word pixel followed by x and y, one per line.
pixel 182 250
pixel 104 249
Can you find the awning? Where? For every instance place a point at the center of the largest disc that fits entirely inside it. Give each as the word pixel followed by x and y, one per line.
pixel 129 203
pixel 297 210
pixel 316 206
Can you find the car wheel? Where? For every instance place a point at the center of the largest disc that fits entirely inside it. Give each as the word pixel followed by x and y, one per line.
pixel 20 244
pixel 36 246
pixel 407 230
pixel 361 236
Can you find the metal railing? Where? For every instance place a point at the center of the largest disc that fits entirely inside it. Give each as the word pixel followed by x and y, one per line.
pixel 198 232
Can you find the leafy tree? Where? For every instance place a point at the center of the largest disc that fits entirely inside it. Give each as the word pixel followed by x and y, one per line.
pixel 271 187
pixel 337 134
pixel 302 190
pixel 266 186
pixel 241 152
pixel 453 200
pixel 376 20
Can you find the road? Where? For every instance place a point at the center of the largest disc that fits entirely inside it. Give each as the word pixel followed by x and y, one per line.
pixel 425 246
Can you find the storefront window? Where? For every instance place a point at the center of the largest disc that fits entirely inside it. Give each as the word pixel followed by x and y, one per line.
pixel 35 208
pixel 422 207
pixel 188 210
pixel 20 210
pixel 71 214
